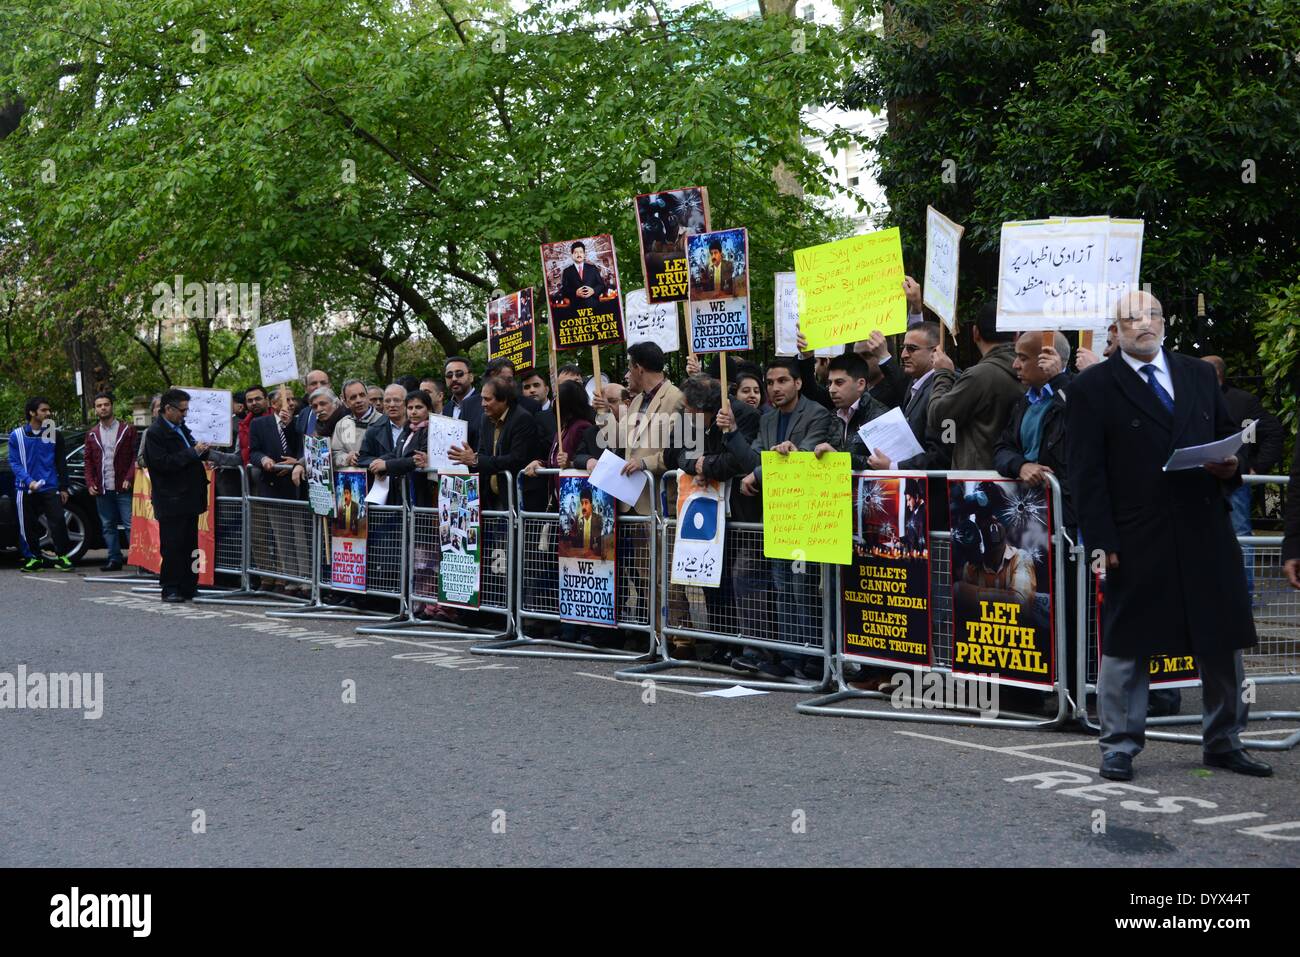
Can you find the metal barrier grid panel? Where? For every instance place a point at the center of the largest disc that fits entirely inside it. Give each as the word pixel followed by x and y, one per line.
pixel 494 563
pixel 750 602
pixel 1276 607
pixel 540 572
pixel 280 539
pixel 229 536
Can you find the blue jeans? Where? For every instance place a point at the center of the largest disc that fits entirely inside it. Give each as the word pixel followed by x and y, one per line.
pixel 114 507
pixel 1240 502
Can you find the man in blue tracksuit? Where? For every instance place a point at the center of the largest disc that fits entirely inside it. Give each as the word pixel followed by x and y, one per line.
pixel 40 486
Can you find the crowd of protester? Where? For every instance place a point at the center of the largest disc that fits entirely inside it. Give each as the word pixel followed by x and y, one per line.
pixel 1006 412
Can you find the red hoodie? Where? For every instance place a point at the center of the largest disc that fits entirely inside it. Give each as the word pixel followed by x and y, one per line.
pixel 124 458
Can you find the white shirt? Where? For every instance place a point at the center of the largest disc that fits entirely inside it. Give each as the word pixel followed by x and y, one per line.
pixel 1162 369
pixel 456 406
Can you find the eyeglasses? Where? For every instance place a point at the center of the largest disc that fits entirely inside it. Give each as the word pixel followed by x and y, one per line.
pixel 909 347
pixel 1151 317
pixel 457 375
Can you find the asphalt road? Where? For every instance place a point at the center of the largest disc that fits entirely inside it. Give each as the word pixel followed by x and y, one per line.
pixel 451 759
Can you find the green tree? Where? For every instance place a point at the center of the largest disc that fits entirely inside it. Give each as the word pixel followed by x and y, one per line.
pixel 1185 113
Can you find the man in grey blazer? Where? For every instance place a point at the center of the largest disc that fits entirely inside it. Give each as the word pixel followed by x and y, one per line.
pixel 793 424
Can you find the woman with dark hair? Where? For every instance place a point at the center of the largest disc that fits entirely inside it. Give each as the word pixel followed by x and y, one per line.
pixel 749 387
pixel 577 419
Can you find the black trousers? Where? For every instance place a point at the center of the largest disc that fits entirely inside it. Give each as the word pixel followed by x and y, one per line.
pixel 178 540
pixel 31 507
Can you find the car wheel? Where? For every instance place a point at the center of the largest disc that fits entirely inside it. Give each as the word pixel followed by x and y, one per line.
pixel 78 526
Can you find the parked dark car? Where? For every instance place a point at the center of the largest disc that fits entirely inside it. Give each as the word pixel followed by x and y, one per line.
pixel 79 511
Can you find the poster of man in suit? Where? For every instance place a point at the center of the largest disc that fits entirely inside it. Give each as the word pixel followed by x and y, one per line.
pixel 664 221
pixel 719 297
pixel 582 292
pixel 587 550
pixel 348 531
pixel 885 590
pixel 1001 573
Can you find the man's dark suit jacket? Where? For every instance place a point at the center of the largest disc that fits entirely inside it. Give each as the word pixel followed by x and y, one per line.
pixel 264 441
pixel 377 442
pixel 1180 587
pixel 516 447
pixel 472 412
pixel 571 281
pixel 176 472
pixel 597 530
pixel 705 281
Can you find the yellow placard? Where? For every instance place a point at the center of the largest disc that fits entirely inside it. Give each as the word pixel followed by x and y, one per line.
pixel 808 507
pixel 850 288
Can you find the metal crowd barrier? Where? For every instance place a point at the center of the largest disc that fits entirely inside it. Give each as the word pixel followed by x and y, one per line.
pixel 421 556
pixel 386 560
pixel 536 587
pixel 748 609
pixel 1274 661
pixel 941 624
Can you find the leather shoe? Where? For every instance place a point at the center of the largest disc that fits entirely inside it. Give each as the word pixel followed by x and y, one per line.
pixel 1116 766
pixel 173 599
pixel 1239 762
pixel 113 566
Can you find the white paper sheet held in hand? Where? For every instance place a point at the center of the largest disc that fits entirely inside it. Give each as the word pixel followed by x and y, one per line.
pixel 1194 456
pixel 443 434
pixel 378 494
pixel 890 435
pixel 608 477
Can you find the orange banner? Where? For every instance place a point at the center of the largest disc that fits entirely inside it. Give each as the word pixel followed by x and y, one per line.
pixel 146 551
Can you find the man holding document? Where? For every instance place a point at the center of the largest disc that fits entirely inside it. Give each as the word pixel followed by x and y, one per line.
pixel 1175 582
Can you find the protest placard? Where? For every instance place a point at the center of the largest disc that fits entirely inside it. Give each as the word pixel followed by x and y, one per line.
pixel 512 331
pixel 942 257
pixel 276 357
pixel 319 467
pixel 209 415
pixel 719 305
pixel 785 308
pixel 664 221
pixel 587 552
pixel 885 590
pixel 459 538
pixel 348 531
pixel 701 532
pixel 443 434
pixel 1001 573
pixel 851 288
pixel 1052 274
pixel 808 507
pixel 652 322
pixel 582 293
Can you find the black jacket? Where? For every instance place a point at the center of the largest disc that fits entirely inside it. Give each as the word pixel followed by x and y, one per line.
pixel 1291 543
pixel 516 446
pixel 400 463
pixel 176 472
pixel 721 461
pixel 1180 587
pixel 1265 453
pixel 376 443
pixel 264 442
pixel 935 455
pixel 1009 453
pixel 472 412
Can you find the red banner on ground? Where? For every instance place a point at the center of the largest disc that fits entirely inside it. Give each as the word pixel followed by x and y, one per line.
pixel 146 551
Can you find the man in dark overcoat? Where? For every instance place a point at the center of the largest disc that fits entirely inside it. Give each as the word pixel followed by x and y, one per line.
pixel 1175 581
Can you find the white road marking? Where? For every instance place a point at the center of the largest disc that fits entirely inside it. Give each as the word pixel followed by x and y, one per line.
pixel 1228 818
pixel 984 747
pixel 1055 744
pixel 658 687
pixel 47 578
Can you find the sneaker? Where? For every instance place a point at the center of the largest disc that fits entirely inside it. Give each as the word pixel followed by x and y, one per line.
pixel 748 661
pixel 32 565
pixel 63 563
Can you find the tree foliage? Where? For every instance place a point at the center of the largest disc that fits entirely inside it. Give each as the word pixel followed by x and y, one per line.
pixel 1185 113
